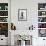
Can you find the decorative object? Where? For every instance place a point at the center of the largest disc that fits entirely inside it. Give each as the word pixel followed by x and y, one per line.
pixel 43 25
pixel 13 27
pixel 0 7
pixel 3 13
pixel 22 14
pixel 42 19
pixel 42 32
pixel 23 40
pixel 31 27
pixel 6 7
pixel 43 13
pixel 41 6
pixel 24 37
pixel 3 19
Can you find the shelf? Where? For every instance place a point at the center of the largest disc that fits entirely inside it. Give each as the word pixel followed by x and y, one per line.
pixel 41 10
pixel 41 22
pixel 3 10
pixel 3 16
pixel 3 22
pixel 42 19
pixel 41 28
pixel 4 19
pixel 42 16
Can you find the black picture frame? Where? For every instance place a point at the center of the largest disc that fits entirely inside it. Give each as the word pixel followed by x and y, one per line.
pixel 22 14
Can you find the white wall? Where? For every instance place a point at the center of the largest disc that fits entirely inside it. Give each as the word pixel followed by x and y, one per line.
pixel 32 14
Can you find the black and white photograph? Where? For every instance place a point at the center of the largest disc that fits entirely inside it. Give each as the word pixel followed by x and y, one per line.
pixel 22 14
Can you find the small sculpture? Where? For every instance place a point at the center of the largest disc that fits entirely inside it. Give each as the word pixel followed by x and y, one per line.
pixel 31 27
pixel 13 27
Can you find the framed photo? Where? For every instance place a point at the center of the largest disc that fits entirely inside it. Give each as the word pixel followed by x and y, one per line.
pixel 22 14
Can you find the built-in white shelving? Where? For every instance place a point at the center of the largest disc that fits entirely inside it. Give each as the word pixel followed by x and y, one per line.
pixel 42 10
pixel 41 28
pixel 3 22
pixel 4 18
pixel 42 16
pixel 41 22
pixel 42 19
pixel 3 10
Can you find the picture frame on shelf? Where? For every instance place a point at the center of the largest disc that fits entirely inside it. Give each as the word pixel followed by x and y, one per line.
pixel 22 14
